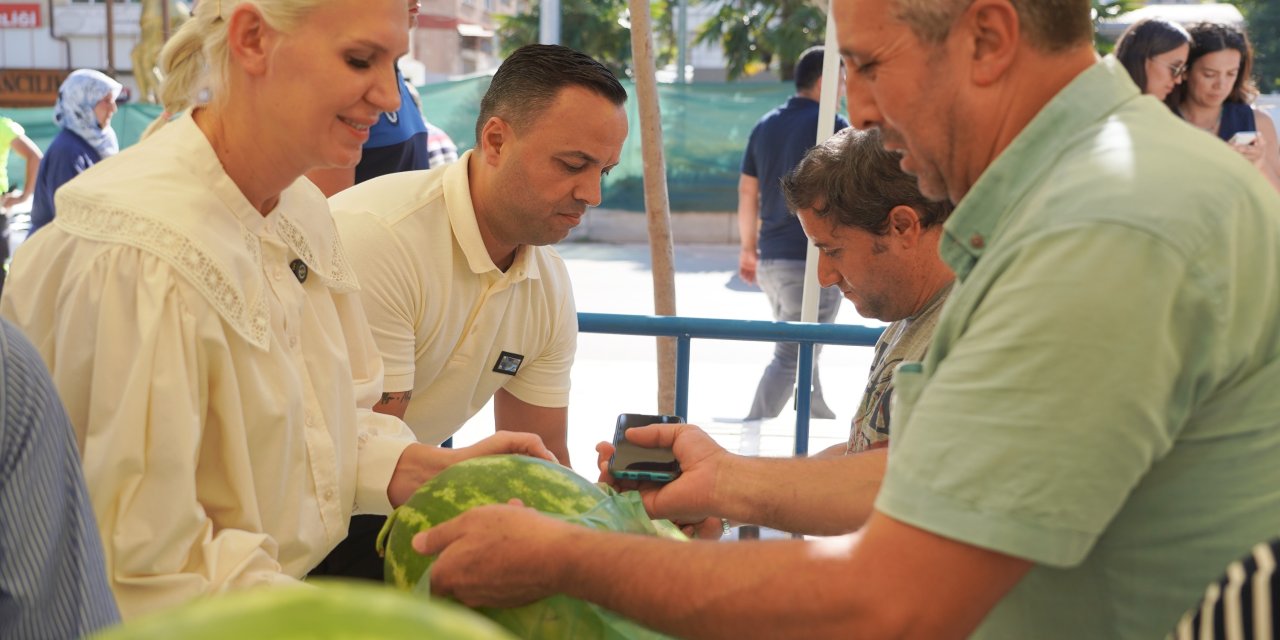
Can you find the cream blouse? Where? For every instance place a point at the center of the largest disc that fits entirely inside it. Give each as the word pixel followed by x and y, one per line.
pixel 223 440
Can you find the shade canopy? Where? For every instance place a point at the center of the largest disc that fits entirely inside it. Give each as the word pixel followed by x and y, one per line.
pixel 1184 14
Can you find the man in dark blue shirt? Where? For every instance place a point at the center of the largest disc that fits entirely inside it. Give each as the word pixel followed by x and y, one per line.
pixel 773 244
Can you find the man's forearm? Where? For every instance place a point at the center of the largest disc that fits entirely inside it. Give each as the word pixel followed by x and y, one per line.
pixel 814 496
pixel 394 403
pixel 712 590
pixel 748 211
pixel 551 424
pixel 748 226
pixel 557 442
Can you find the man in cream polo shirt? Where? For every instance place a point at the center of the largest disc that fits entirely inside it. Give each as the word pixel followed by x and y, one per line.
pixel 465 299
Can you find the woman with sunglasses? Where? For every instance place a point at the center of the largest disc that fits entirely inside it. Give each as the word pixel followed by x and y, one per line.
pixel 1155 52
pixel 1218 96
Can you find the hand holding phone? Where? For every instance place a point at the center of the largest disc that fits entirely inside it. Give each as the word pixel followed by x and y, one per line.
pixel 633 462
pixel 1243 138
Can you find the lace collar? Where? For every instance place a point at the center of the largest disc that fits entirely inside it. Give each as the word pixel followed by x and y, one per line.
pixel 170 197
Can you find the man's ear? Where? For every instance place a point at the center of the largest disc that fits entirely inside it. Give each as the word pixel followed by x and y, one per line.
pixel 249 38
pixel 996 35
pixel 904 226
pixel 494 135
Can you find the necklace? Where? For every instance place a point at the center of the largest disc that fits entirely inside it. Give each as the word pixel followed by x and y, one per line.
pixel 1217 123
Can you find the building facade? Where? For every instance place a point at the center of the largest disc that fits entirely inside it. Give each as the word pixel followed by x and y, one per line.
pixel 457 37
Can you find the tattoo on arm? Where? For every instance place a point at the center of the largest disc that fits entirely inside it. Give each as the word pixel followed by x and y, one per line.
pixel 399 396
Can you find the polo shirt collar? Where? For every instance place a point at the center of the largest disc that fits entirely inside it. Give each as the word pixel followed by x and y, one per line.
pixel 466 231
pixel 800 102
pixel 979 218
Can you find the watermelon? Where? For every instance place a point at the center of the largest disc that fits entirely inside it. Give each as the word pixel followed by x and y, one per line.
pixel 331 610
pixel 545 486
pixel 542 485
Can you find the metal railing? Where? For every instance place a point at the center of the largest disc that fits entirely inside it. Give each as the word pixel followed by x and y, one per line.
pixel 684 330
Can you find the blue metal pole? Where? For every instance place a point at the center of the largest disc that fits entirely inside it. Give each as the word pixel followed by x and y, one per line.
pixel 720 329
pixel 804 388
pixel 683 351
pixel 807 334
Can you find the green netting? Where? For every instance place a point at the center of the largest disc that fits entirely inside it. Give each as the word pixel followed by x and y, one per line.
pixel 129 123
pixel 705 129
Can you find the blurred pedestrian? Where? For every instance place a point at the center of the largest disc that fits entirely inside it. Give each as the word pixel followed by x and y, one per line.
pixel 774 247
pixel 13 136
pixel 86 102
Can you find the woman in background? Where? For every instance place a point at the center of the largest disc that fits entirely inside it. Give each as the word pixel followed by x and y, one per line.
pixel 86 102
pixel 1218 96
pixel 1155 52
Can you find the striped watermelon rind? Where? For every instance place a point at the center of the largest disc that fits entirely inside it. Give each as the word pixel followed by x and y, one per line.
pixel 542 485
pixel 320 610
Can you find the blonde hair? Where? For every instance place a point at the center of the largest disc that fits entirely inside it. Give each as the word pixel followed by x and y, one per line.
pixel 193 63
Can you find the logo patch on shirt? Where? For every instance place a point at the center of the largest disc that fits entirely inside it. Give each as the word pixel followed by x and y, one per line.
pixel 508 363
pixel 300 270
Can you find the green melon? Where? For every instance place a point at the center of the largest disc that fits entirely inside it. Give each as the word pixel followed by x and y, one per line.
pixel 327 611
pixel 542 485
pixel 547 487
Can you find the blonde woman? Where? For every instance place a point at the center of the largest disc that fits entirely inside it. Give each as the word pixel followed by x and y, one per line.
pixel 195 307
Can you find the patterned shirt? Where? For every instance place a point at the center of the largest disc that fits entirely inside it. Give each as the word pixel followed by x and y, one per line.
pixel 1241 604
pixel 903 341
pixel 52 580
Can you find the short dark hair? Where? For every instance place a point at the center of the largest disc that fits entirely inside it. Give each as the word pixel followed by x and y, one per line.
pixel 531 77
pixel 852 179
pixel 1209 37
pixel 1049 25
pixel 808 68
pixel 1146 39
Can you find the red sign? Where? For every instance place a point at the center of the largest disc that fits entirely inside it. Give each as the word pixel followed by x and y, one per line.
pixel 19 16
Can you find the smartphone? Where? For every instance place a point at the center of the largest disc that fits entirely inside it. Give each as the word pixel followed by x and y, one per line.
pixel 1243 137
pixel 632 462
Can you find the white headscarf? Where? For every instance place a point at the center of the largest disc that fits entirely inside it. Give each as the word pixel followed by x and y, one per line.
pixel 78 95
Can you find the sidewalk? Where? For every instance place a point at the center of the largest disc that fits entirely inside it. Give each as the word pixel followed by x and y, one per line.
pixel 617 374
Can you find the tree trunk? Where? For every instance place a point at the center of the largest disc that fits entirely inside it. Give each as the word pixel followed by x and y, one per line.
pixel 656 204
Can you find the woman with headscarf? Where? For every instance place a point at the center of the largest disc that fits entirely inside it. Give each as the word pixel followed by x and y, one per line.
pixel 86 102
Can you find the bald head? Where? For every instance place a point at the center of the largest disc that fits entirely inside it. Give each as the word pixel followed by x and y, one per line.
pixel 1048 25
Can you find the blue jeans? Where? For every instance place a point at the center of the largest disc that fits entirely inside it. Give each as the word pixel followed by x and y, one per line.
pixel 783 284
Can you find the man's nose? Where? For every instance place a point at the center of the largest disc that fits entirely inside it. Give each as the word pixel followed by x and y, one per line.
pixel 828 276
pixel 864 113
pixel 589 190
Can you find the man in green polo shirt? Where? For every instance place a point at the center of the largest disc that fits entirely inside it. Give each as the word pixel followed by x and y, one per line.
pixel 1094 431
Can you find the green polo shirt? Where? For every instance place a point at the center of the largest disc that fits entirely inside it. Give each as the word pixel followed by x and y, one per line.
pixel 1102 394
